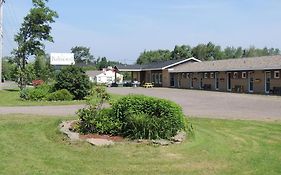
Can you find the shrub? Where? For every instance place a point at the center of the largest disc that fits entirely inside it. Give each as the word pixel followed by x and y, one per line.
pixel 148 117
pixel 75 80
pixel 98 121
pixel 94 119
pixel 35 94
pixel 60 95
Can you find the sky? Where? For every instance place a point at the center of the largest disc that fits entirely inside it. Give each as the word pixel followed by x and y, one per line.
pixel 121 29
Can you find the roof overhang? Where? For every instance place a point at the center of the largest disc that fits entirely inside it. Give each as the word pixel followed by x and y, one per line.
pixel 130 70
pixel 180 62
pixel 225 70
pixel 161 68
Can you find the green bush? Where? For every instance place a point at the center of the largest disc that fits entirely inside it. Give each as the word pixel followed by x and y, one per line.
pixel 60 95
pixel 148 117
pixel 36 94
pixel 98 121
pixel 75 80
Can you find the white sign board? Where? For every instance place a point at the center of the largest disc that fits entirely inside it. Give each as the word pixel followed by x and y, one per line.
pixel 62 59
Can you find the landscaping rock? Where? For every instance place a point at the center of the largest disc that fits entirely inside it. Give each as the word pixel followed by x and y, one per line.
pixel 100 142
pixel 162 142
pixel 65 128
pixel 180 137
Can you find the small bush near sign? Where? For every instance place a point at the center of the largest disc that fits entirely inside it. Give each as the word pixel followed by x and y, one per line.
pixel 35 94
pixel 60 95
pixel 75 80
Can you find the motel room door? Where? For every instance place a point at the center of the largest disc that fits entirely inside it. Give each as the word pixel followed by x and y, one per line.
pixel 267 81
pixel 229 74
pixel 250 82
pixel 172 80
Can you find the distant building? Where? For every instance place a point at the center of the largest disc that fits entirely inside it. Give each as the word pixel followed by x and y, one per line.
pixel 156 72
pixel 106 76
pixel 260 75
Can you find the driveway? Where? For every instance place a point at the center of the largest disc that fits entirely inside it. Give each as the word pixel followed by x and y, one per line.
pixel 210 104
pixel 65 110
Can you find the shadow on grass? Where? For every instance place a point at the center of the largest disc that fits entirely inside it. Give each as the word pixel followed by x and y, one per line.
pixel 11 90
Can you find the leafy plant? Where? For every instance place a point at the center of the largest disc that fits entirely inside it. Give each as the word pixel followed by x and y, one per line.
pixel 60 95
pixel 148 117
pixel 95 119
pixel 98 121
pixel 75 80
pixel 35 94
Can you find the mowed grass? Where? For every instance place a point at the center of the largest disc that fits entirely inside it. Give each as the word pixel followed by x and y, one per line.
pixel 12 98
pixel 33 145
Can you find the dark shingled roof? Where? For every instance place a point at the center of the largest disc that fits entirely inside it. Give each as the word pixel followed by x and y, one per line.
pixel 161 64
pixel 239 64
pixel 135 66
pixel 154 65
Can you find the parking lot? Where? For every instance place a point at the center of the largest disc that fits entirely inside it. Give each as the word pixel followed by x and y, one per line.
pixel 210 104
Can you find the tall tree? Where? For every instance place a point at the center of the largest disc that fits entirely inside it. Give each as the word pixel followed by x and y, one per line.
pixel 33 32
pixel 42 68
pixel 200 52
pixel 102 63
pixel 153 56
pixel 229 52
pixel 181 52
pixel 82 54
pixel 239 52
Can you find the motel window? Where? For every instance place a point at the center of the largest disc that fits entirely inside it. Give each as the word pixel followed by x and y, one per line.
pixel 205 75
pixel 235 75
pixel 183 75
pixel 244 74
pixel 212 75
pixel 276 74
pixel 153 78
pixel 160 78
pixel 187 75
pixel 157 79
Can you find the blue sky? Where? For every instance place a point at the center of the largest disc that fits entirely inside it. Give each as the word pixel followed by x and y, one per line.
pixel 122 29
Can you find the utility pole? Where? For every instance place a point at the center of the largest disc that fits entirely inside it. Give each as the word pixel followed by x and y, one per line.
pixel 1 37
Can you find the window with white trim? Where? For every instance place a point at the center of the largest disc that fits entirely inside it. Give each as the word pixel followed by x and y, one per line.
pixel 212 75
pixel 205 75
pixel 276 74
pixel 235 75
pixel 244 75
pixel 183 75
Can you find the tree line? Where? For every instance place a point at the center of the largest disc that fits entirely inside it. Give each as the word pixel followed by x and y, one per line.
pixel 40 67
pixel 204 52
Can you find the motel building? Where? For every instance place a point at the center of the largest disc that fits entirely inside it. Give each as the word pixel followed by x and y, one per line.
pixel 259 75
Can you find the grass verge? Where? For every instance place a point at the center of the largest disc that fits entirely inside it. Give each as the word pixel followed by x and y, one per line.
pixel 33 145
pixel 11 98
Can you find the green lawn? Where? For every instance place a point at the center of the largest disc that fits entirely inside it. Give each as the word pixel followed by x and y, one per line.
pixel 33 145
pixel 11 98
